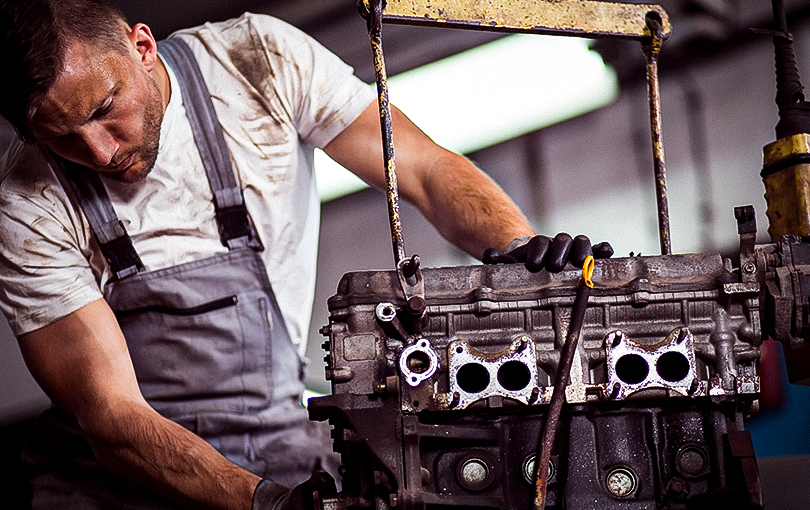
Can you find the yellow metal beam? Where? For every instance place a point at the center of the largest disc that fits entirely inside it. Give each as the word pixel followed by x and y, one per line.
pixel 585 18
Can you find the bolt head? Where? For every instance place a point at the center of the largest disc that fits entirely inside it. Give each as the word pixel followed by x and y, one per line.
pixel 621 482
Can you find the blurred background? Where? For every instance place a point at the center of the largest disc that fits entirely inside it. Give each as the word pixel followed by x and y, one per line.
pixel 564 130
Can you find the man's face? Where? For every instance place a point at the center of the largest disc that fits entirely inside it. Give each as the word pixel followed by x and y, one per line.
pixel 104 112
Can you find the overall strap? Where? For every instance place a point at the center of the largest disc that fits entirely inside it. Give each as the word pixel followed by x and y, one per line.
pixel 232 216
pixel 112 237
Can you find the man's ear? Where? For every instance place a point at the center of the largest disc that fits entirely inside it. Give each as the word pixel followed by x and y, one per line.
pixel 141 38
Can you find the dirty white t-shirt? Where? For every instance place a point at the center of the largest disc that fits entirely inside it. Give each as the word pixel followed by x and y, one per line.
pixel 277 93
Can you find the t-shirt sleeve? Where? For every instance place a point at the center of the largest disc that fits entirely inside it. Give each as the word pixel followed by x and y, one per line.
pixel 45 271
pixel 323 94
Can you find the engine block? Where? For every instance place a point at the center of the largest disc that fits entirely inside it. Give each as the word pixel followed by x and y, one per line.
pixel 447 409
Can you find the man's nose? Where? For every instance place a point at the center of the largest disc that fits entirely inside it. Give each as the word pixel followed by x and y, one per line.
pixel 101 146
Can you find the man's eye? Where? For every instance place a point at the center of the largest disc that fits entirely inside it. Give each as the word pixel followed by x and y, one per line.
pixel 104 110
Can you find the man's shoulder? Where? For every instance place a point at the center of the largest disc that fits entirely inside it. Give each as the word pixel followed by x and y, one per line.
pixel 256 30
pixel 28 181
pixel 22 165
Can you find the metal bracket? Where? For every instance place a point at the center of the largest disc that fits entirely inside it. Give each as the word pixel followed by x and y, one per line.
pixel 747 229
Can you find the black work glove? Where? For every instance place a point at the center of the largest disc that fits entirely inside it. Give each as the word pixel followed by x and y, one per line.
pixel 269 495
pixel 542 252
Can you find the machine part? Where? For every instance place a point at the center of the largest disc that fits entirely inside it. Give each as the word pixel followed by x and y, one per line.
pixel 621 482
pixel 794 111
pixel 408 270
pixel 418 362
pixel 556 17
pixel 385 312
pixel 530 469
pixel 569 349
pixel 786 162
pixel 786 176
pixel 476 375
pixel 652 48
pixel 476 471
pixel 562 17
pixel 677 488
pixel 388 439
pixel 787 319
pixel 692 461
pixel 633 367
pixel 462 436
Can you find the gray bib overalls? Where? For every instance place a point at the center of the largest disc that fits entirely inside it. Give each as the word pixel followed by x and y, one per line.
pixel 207 340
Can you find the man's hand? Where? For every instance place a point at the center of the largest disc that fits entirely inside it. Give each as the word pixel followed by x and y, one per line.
pixel 271 496
pixel 542 252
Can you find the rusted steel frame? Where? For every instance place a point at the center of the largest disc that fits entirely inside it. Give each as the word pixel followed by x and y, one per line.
pixel 374 19
pixel 552 423
pixel 652 47
pixel 585 18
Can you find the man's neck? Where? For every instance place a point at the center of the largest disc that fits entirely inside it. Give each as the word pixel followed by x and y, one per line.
pixel 163 83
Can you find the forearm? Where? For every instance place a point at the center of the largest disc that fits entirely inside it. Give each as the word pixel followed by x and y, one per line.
pixel 468 208
pixel 138 443
pixel 464 205
pixel 82 363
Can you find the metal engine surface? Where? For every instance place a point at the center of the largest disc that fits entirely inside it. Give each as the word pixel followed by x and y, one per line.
pixel 447 409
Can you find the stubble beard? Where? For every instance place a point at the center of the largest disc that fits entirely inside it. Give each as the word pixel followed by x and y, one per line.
pixel 147 152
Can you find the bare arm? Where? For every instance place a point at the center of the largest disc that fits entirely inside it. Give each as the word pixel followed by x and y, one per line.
pixel 464 205
pixel 83 364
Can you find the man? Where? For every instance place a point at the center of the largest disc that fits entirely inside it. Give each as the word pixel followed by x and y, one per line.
pixel 85 90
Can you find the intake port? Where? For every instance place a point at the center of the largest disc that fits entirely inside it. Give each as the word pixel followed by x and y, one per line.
pixel 473 378
pixel 514 375
pixel 632 368
pixel 418 362
pixel 672 366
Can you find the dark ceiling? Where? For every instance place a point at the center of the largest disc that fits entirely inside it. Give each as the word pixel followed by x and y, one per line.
pixel 701 28
pixel 335 23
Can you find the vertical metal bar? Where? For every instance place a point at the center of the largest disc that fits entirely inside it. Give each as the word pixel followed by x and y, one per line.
pixel 569 350
pixel 651 50
pixel 375 8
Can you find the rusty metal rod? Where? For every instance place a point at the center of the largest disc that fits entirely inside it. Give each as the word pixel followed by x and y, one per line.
pixel 552 423
pixel 652 47
pixel 374 19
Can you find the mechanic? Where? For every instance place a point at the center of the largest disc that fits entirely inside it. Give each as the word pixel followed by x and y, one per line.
pixel 159 247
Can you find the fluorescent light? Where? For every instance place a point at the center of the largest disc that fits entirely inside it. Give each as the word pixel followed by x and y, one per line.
pixel 493 93
pixel 333 180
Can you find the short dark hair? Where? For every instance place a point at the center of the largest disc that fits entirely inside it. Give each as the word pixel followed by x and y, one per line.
pixel 34 35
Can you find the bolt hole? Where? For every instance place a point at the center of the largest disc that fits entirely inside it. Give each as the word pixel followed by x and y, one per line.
pixel 653 15
pixel 632 368
pixel 459 349
pixel 472 378
pixel 514 375
pixel 672 366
